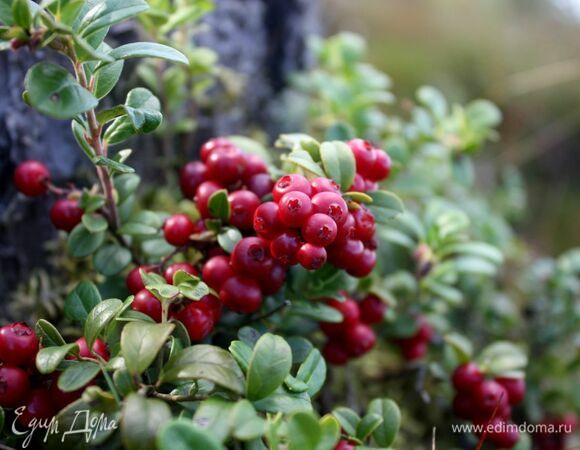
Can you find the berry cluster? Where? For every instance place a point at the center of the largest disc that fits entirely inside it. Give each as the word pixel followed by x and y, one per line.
pixel 487 402
pixel 353 337
pixel 415 347
pixel 372 165
pixel 22 385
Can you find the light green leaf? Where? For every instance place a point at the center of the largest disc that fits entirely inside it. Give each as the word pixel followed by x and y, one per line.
pixel 142 421
pixel 385 434
pixel 184 435
pixel 313 372
pixel 338 162
pixel 148 50
pixel 49 358
pixel 385 206
pixel 141 342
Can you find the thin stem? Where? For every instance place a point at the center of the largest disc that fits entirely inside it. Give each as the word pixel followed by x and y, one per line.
pixel 178 398
pixel 286 303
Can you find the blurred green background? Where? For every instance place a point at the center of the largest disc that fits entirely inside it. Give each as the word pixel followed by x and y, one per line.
pixel 524 55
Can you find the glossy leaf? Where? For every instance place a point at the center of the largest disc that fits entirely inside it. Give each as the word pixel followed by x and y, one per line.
pixel 338 162
pixel 77 375
pixel 99 317
pixel 141 342
pixel 81 242
pixel 82 299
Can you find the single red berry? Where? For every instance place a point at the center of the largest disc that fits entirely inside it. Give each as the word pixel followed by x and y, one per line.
pixel 13 386
pixel 251 256
pixel 319 229
pixel 214 305
pixel 372 309
pixel 364 265
pixel 515 387
pixel 334 353
pixel 204 191
pixel 31 178
pixel 190 177
pixel 322 184
pixel 347 230
pixel 507 437
pixel 18 344
pixel 466 377
pixel 198 320
pixel 266 221
pixel 272 280
pixel 38 406
pixel 284 248
pixel 291 183
pixel 488 395
pixel 349 309
pixel 344 445
pixel 463 406
pixel 177 229
pixel 359 339
pixel 343 253
pixel 332 205
pixel 253 165
pixel 216 271
pixel 295 208
pixel 225 165
pixel 99 348
pixel 65 214
pixel 425 330
pixel 146 303
pixel 365 156
pixel 412 349
pixel 311 257
pixel 211 145
pixel 243 205
pixel 241 294
pixel 382 166
pixel 364 223
pixel 134 281
pixel 176 267
pixel 260 184
pixel 358 184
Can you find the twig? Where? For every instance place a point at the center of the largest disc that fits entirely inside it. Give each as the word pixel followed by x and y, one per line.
pixel 286 303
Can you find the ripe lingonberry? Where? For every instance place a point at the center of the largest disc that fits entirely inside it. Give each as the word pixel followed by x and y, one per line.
pixel 295 208
pixel 272 280
pixel 225 165
pixel 146 303
pixel 425 330
pixel 266 222
pixel 381 168
pixel 99 348
pixel 319 229
pixel 364 223
pixel 251 256
pixel 365 156
pixel 214 305
pixel 177 229
pixel 363 265
pixel 290 183
pixel 176 267
pixel 260 184
pixel 332 205
pixel 211 145
pixel 241 294
pixel 216 271
pixel 253 165
pixel 463 405
pixel 412 349
pixel 13 386
pixel 311 257
pixel 344 445
pixel 488 395
pixel 359 339
pixel 347 230
pixel 134 281
pixel 334 353
pixel 515 387
pixel 343 253
pixel 198 319
pixel 322 184
pixel 350 316
pixel 372 309
pixel 65 214
pixel 358 184
pixel 38 406
pixel 31 178
pixel 243 204
pixel 18 344
pixel 204 191
pixel 466 377
pixel 284 248
pixel 506 437
pixel 190 177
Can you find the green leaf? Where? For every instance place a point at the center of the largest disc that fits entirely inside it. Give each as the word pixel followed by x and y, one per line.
pixel 474 265
pixel 385 434
pixel 77 375
pixel 86 52
pixel 111 259
pixel 303 159
pixel 126 185
pixel 49 358
pixel 212 416
pixel 6 16
pixel 21 13
pixel 192 288
pixel 502 356
pixel 108 12
pixel 205 362
pixel 219 206
pixel 79 134
pixel 270 364
pixel 245 423
pixel 99 317
pixel 142 421
pixel 385 206
pixel 112 165
pixel 303 431
pixel 329 433
pixel 294 384
pixel 107 78
pixel 360 197
pixel 183 435
pixel 347 418
pixel 313 372
pixel 433 100
pixel 338 162
pixel 48 334
pixel 140 343
pixel 148 50
pixel 228 238
pixel 316 310
pixel 94 222
pixel 137 229
pixel 53 91
pixel 82 299
pixel 242 353
pixel 462 346
pixel 368 425
pixel 282 401
pixel 81 242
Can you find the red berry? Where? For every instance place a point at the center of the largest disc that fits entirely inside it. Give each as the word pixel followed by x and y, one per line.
pixel 253 165
pixel 319 229
pixel 31 178
pixel 365 156
pixel 371 186
pixel 65 214
pixel 146 303
pixel 342 254
pixel 344 445
pixel 177 229
pixel 412 349
pixel 348 308
pixel 211 145
pixel 176 267
pixel 243 205
pixel 204 191
pixel 488 395
pixel 251 256
pixel 506 438
pixel 291 183
pixel 134 281
pixel 335 354
pixel 273 280
pixel 216 271
pixel 13 386
pixel 18 344
pixel 322 184
pixel 295 208
pixel 241 295
pixel 466 377
pixel 463 406
pixel 372 309
pixel 425 331
pixel 364 223
pixel 61 399
pixel 347 230
pixel 358 184
pixel 198 320
pixel 284 248
pixel 364 265
pixel 99 347
pixel 260 184
pixel 332 205
pixel 311 257
pixel 515 387
pixel 190 177
pixel 382 166
pixel 266 221
pixel 225 165
pixel 359 339
pixel 214 305
pixel 38 406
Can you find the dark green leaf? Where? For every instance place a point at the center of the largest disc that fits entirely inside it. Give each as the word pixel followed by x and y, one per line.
pixel 21 13
pixel 140 343
pixel 385 206
pixel 80 134
pixel 385 434
pixel 219 206
pixel 242 353
pixel 99 317
pixel 107 78
pixel 184 435
pixel 49 358
pixel 81 242
pixel 79 303
pixel 313 372
pixel 347 418
pixel 126 185
pixel 111 259
pixel 77 375
pixel 94 222
pixel 48 334
pixel 142 420
pixel 316 310
pixel 213 415
pixel 368 425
